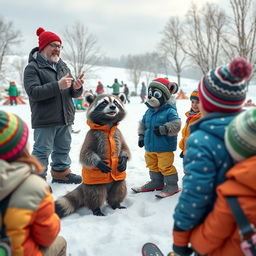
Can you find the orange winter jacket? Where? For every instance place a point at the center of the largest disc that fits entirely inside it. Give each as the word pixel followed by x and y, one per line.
pixel 30 218
pixel 95 175
pixel 218 235
pixel 185 131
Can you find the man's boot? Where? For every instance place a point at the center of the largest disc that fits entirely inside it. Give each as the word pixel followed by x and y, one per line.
pixel 156 183
pixel 65 176
pixel 170 186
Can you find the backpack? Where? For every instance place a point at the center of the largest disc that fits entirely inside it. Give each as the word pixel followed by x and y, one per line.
pixel 246 229
pixel 5 245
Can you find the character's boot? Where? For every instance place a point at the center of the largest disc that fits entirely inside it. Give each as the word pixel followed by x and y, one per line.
pixel 170 187
pixel 156 183
pixel 65 177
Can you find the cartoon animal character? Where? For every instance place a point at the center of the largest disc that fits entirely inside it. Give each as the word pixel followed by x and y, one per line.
pixel 158 132
pixel 104 157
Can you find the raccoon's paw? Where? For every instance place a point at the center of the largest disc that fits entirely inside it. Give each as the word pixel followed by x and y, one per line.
pixel 118 206
pixel 122 164
pixel 102 165
pixel 98 212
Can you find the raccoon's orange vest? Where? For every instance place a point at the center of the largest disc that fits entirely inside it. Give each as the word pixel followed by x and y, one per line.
pixel 96 176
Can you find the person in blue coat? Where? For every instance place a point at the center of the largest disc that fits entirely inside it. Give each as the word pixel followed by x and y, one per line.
pixel 222 93
pixel 158 131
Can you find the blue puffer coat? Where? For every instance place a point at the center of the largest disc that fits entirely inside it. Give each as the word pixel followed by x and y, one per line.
pixel 205 163
pixel 152 118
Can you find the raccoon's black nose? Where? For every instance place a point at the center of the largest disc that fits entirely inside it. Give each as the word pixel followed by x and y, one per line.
pixel 112 107
pixel 149 97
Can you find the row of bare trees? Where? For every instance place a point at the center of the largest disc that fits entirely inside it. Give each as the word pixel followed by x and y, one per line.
pixel 205 38
pixel 81 50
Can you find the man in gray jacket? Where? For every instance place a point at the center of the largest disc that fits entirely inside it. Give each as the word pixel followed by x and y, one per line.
pixel 50 87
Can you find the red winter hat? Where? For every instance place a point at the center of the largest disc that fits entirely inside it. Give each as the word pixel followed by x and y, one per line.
pixel 45 38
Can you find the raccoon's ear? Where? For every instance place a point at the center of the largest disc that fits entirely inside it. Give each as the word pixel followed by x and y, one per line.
pixel 89 98
pixel 122 97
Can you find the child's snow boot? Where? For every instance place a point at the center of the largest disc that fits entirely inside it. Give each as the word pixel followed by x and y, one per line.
pixel 156 183
pixel 170 187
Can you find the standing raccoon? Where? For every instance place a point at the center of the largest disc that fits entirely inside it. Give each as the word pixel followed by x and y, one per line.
pixel 104 156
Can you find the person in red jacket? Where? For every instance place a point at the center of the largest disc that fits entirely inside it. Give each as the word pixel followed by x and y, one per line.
pixel 219 233
pixel 29 220
pixel 99 88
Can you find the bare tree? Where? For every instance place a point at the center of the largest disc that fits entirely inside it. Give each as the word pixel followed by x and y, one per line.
pixel 81 49
pixel 8 38
pixel 135 67
pixel 152 65
pixel 241 39
pixel 204 32
pixel 173 35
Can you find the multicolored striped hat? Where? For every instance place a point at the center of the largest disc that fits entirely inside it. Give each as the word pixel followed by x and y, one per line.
pixel 240 135
pixel 168 88
pixel 224 89
pixel 13 136
pixel 194 95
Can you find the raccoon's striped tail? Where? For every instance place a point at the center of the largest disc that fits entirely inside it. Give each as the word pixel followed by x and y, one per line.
pixel 69 203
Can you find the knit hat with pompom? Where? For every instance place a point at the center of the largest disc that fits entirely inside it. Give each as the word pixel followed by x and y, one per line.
pixel 45 38
pixel 224 89
pixel 168 88
pixel 13 136
pixel 240 135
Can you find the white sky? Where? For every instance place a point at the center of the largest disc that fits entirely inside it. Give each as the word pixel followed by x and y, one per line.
pixel 121 27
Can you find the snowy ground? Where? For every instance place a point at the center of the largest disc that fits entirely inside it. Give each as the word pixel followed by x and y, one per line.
pixel 120 232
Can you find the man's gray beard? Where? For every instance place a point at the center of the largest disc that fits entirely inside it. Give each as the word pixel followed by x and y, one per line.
pixel 55 58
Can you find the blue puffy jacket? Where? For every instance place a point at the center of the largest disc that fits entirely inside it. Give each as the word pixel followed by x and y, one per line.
pixel 152 118
pixel 206 162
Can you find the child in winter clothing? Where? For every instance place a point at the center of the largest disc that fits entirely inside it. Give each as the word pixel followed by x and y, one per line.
pixel 210 237
pixel 29 220
pixel 158 131
pixel 192 115
pixel 13 93
pixel 222 93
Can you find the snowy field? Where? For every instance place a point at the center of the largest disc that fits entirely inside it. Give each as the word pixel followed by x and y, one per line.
pixel 146 219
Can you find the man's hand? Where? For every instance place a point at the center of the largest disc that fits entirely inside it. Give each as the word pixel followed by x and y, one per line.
pixel 65 82
pixel 78 83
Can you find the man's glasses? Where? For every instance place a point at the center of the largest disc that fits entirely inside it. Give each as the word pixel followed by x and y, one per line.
pixel 56 46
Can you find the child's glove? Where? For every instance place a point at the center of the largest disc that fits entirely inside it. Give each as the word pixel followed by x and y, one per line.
pixel 102 165
pixel 181 250
pixel 160 130
pixel 141 141
pixel 122 163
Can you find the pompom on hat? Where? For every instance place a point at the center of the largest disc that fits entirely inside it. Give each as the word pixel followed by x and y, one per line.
pixel 168 88
pixel 45 38
pixel 13 136
pixel 240 135
pixel 194 95
pixel 224 89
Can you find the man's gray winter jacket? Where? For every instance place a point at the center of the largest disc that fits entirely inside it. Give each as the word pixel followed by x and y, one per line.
pixel 50 106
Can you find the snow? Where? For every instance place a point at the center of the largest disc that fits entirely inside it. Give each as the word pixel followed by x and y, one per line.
pixel 146 219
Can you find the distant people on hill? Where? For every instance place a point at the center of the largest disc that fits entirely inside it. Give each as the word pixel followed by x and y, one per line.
pixel 126 92
pixel 116 87
pixel 13 93
pixel 100 88
pixel 143 92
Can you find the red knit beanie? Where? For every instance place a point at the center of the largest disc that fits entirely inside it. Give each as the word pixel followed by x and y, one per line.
pixel 45 38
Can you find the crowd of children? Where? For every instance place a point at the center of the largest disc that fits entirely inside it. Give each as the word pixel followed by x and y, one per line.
pixel 218 147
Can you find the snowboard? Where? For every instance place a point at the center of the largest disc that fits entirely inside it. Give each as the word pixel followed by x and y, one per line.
pixel 150 249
